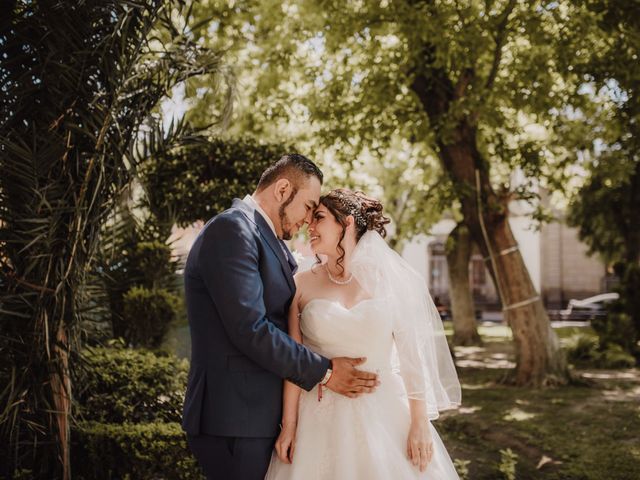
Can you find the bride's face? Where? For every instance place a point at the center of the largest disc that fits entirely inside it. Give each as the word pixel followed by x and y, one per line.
pixel 324 232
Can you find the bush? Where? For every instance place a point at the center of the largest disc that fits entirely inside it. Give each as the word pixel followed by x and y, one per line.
pixel 119 385
pixel 200 181
pixel 132 253
pixel 148 314
pixel 132 451
pixel 585 350
pixel 614 356
pixel 582 348
pixel 153 261
pixel 129 403
pixel 616 328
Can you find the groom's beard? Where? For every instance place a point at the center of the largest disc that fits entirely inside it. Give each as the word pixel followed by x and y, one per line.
pixel 285 224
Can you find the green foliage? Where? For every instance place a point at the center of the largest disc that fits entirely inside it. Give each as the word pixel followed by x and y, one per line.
pixel 462 467
pixel 134 253
pixel 587 351
pixel 615 357
pixel 339 80
pixel 582 348
pixel 154 260
pixel 605 210
pixel 508 463
pixel 606 207
pixel 79 79
pixel 129 405
pixel 124 385
pixel 132 451
pixel 198 181
pixel 617 328
pixel 148 314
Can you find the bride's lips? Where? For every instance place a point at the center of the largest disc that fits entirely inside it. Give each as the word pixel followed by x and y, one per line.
pixel 313 239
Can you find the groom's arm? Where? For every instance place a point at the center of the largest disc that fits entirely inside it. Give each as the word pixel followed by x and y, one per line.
pixel 228 263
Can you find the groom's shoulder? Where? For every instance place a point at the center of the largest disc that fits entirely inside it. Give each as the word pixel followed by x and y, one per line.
pixel 232 220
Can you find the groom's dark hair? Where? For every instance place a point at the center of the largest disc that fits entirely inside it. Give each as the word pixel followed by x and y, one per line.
pixel 292 166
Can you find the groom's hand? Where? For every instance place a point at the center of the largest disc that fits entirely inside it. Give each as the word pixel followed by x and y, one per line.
pixel 347 380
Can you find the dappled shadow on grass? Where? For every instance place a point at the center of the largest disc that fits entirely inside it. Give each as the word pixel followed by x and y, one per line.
pixel 588 431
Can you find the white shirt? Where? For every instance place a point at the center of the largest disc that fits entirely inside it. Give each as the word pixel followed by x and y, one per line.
pixel 249 200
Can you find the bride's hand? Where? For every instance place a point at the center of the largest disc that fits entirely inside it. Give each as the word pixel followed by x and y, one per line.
pixel 286 443
pixel 420 444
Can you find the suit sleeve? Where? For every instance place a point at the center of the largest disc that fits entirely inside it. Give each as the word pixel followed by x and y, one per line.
pixel 228 263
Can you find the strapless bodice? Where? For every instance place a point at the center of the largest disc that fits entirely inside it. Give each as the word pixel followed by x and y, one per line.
pixel 364 330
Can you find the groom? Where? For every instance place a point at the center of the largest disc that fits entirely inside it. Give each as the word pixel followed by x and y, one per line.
pixel 239 286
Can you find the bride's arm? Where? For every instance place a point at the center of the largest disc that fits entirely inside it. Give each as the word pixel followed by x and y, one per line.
pixel 419 441
pixel 285 444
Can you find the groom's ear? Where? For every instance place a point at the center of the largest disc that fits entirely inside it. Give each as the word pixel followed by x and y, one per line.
pixel 282 189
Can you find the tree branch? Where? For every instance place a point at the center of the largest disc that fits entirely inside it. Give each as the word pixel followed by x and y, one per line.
pixel 501 35
pixel 466 76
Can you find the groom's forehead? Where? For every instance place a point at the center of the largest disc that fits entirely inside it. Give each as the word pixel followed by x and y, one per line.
pixel 312 201
pixel 311 190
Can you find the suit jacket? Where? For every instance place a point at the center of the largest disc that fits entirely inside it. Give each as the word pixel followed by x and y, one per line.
pixel 239 287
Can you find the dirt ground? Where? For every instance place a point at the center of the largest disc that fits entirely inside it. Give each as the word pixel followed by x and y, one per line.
pixel 589 430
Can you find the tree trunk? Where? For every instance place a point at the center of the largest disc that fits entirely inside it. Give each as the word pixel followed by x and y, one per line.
pixel 458 249
pixel 61 392
pixel 539 359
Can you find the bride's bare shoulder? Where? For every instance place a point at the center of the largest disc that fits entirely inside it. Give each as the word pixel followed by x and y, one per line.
pixel 307 277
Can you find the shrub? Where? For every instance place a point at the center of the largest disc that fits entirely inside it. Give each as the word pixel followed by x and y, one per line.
pixel 129 403
pixel 119 385
pixel 616 328
pixel 200 181
pixel 585 350
pixel 614 356
pixel 148 314
pixel 153 260
pixel 133 253
pixel 132 451
pixel 582 348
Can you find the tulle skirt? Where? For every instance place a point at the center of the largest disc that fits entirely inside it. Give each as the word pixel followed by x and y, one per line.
pixel 339 438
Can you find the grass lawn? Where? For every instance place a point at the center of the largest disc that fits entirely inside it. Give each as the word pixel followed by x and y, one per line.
pixel 586 431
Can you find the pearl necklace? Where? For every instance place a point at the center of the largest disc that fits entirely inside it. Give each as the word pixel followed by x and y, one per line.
pixel 338 282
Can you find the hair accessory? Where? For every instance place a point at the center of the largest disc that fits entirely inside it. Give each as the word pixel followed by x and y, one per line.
pixel 353 210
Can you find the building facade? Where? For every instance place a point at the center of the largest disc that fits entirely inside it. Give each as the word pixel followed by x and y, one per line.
pixel 557 261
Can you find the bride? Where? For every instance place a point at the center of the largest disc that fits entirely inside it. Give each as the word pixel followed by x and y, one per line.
pixel 366 301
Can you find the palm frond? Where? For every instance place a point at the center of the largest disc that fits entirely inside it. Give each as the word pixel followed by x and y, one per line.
pixel 79 79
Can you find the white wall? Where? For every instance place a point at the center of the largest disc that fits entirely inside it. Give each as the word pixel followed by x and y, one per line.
pixel 416 252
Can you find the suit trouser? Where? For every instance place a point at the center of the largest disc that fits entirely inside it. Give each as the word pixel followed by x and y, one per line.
pixel 232 458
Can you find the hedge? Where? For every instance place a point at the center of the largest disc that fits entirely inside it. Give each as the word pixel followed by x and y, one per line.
pixel 131 451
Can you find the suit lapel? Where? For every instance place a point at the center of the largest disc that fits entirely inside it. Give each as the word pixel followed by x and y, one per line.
pixel 269 237
pixel 292 261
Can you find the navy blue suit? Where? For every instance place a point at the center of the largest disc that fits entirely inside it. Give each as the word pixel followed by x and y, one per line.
pixel 239 286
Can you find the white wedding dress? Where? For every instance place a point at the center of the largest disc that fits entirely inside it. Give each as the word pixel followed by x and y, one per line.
pixel 339 438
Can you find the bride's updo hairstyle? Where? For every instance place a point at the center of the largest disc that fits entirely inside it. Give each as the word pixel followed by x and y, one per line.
pixel 366 212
